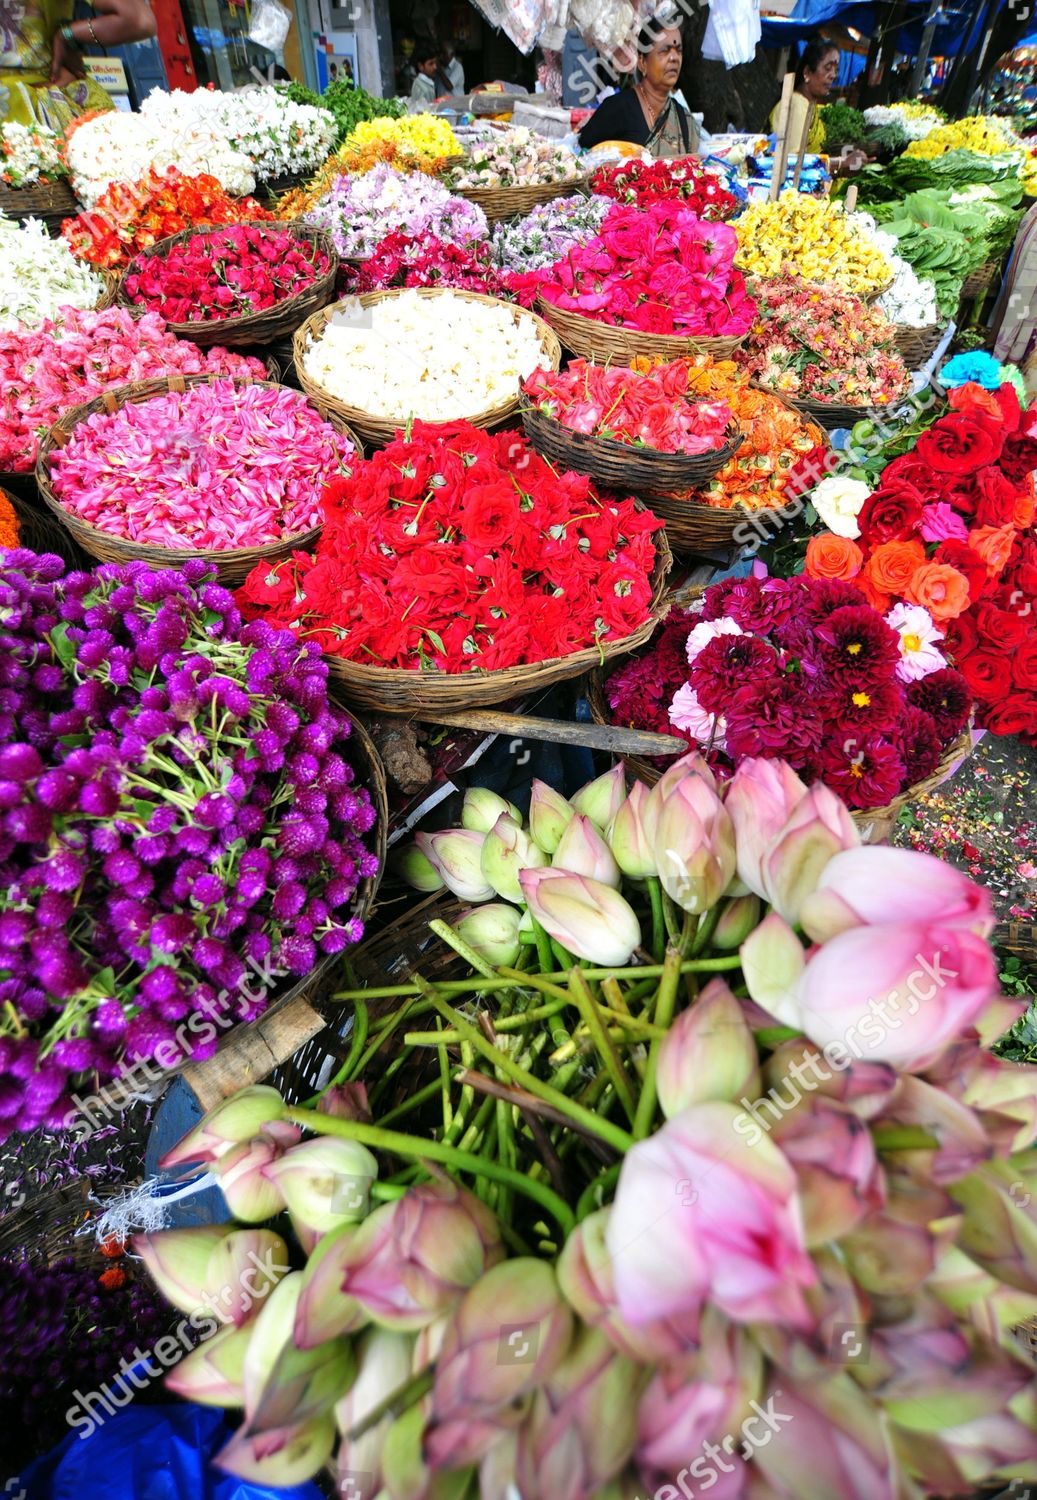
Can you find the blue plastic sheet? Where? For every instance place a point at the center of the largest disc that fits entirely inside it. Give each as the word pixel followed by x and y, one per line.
pixel 147 1453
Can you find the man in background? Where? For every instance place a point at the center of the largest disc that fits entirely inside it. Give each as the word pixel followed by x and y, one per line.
pixel 451 69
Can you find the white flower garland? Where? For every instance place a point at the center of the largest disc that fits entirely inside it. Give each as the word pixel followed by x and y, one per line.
pixel 38 275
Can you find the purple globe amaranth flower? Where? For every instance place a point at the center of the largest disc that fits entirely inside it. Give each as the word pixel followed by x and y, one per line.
pixel 77 1054
pixel 53 909
pixel 11 793
pixel 98 799
pixel 171 931
pixel 289 900
pixel 282 721
pixel 29 824
pixel 20 762
pixel 298 954
pixel 63 871
pixel 15 928
pixel 109 1022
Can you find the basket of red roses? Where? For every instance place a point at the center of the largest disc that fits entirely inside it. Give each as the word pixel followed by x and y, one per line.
pixel 805 670
pixel 229 469
pixel 457 568
pixel 656 281
pixel 240 284
pixel 627 430
pixel 638 183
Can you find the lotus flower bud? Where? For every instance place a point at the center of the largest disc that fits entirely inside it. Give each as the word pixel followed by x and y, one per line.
pixel 346 1101
pixel 630 845
pixel 506 851
pixel 1000 1227
pixel 1002 1094
pixel 959 1141
pixel 284 1385
pixel 242 1271
pixel 818 829
pixel 250 1196
pixel 695 846
pixel 708 1053
pixel 875 885
pixel 493 931
pixel 832 1152
pixel 829 1438
pixel 689 765
pixel 325 1182
pixel 178 1259
pixel 737 920
pixel 324 1311
pixel 601 798
pixel 773 962
pixel 549 814
pixel 417 870
pixel 456 854
pixel 282 1458
pixel 760 797
pixel 481 809
pixel 798 1067
pixel 591 920
pixel 213 1373
pixel 236 1119
pixel 383 1366
pixel 582 851
pixel 893 1250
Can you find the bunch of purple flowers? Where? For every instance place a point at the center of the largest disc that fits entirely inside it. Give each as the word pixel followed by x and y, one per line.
pixel 548 232
pixel 359 212
pixel 176 802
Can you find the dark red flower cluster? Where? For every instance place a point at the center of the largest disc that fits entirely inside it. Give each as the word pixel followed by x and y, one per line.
pixel 638 182
pixel 453 549
pixel 224 273
pixel 797 669
pixel 422 260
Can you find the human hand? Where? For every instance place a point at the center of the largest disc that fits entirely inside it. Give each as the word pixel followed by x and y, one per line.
pixel 66 62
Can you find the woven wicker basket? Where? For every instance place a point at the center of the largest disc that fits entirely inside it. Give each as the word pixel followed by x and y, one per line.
pixel 52 202
pixel 383 429
pixel 40 531
pixel 252 328
pixel 828 414
pixel 606 344
pixel 621 466
pixel 112 282
pixel 393 690
pixel 981 279
pixel 232 565
pixel 916 346
pixel 514 202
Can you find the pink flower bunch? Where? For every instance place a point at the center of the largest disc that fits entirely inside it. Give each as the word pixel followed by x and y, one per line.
pixel 653 410
pixel 659 269
pixel 216 466
pixel 61 364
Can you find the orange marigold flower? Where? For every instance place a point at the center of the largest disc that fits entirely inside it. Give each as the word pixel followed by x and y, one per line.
pixel 9 530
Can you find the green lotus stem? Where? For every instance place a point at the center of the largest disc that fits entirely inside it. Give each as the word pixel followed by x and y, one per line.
pixel 538 982
pixel 444 1084
pixel 664 1006
pixel 464 950
pixel 670 921
pixel 422 1096
pixel 580 991
pixel 658 925
pixel 706 928
pixel 504 1023
pixel 480 1122
pixel 543 945
pixel 590 1199
pixel 903 1138
pixel 355 1048
pixel 379 1139
pixel 458 987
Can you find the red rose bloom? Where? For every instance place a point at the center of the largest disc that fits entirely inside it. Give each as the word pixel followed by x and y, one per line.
pixel 1024 665
pixel 995 497
pixel 1016 714
pixel 1001 629
pixel 956 445
pixel 958 554
pixel 893 513
pixel 1019 458
pixel 988 674
pixel 910 469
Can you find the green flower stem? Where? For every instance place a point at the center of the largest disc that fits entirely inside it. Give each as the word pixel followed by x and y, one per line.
pixel 517 1022
pixel 360 1021
pixel 464 950
pixel 580 991
pixel 658 925
pixel 590 1200
pixel 423 1095
pixel 706 928
pixel 670 920
pixel 454 988
pixel 664 1006
pixel 478 1125
pixel 903 1138
pixel 444 1083
pixel 379 1139
pixel 543 946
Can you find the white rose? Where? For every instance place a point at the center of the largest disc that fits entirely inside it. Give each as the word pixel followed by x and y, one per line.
pixel 839 502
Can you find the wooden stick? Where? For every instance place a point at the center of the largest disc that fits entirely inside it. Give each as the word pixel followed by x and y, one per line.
pixel 850 202
pixel 524 727
pixel 801 151
pixel 781 152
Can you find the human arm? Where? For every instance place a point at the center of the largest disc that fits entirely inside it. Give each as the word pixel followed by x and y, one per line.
pixel 115 22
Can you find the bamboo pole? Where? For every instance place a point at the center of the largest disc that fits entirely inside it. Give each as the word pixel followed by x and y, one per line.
pixel 801 149
pixel 781 152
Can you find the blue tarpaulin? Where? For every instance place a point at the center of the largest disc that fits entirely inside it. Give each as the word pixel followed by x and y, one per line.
pixel 955 31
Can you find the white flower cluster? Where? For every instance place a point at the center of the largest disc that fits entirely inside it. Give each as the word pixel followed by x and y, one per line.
pixel 435 358
pixel 278 136
pixel 515 158
pixel 117 147
pixel 916 125
pixel 27 153
pixel 38 275
pixel 910 301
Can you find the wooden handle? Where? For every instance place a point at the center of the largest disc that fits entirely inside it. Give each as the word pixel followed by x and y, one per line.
pixel 802 147
pixel 589 736
pixel 781 150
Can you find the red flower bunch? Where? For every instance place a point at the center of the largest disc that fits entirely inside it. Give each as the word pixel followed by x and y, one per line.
pixel 653 410
pixel 132 216
pixel 639 183
pixel 949 528
pixel 453 549
pixel 224 273
pixel 796 669
pixel 659 269
pixel 422 260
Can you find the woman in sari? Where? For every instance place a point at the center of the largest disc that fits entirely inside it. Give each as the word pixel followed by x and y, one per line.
pixel 648 115
pixel 42 73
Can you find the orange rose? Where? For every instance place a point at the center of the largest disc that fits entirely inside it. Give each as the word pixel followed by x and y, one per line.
pixel 831 556
pixel 893 564
pixel 975 400
pixel 994 544
pixel 882 602
pixel 1023 511
pixel 940 589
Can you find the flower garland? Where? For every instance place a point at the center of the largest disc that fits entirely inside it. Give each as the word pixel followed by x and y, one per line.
pixel 652 410
pixel 813 239
pixel 514 158
pixel 359 212
pixel 39 275
pixel 111 148
pixel 453 550
pixel 277 136
pixel 29 154
pixel 638 183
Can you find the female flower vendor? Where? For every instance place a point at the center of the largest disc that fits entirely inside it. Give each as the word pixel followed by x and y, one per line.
pixel 42 74
pixel 648 115
pixel 818 70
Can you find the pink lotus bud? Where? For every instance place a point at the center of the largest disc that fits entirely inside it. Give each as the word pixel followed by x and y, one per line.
pixel 797 1067
pixel 827 1438
pixel 585 1277
pixel 481 808
pixel 600 799
pixel 250 1196
pixel 213 1373
pixel 284 1385
pixel 405 1474
pixel 507 1335
pixel 416 870
pixel 325 1182
pixel 279 1459
pixel 383 1366
pixel 737 920
pixel 178 1259
pixel 243 1270
pixel 760 797
pixel 493 931
pixel 960 1142
pixel 898 993
pixel 508 850
pixel 324 1311
pixel 893 1250
pixel 689 765
pixel 708 1053
pixel 818 828
pixel 232 1120
pixel 582 851
pixel 627 838
pixel 833 1156
pixel 582 1426
pixel 695 846
pixel 1002 1094
pixel 549 815
pixel 591 920
pixel 999 1231
pixel 456 854
pixel 875 885
pixel 701 1215
pixel 346 1101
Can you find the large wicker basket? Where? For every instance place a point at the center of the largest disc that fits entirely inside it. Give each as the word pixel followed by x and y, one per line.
pixel 514 202
pixel 52 202
pixel 606 344
pixel 916 346
pixel 381 429
pixel 829 414
pixel 112 282
pixel 394 690
pixel 252 328
pixel 40 531
pixel 621 466
pixel 232 565
pixel 981 279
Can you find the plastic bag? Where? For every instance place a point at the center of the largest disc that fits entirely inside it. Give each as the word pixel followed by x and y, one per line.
pixel 268 24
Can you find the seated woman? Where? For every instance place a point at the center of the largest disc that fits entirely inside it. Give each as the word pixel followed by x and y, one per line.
pixel 648 115
pixel 42 74
pixel 818 70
